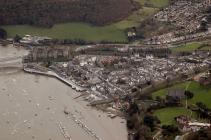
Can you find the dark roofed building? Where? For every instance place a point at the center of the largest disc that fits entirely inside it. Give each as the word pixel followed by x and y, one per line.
pixel 177 93
pixel 206 80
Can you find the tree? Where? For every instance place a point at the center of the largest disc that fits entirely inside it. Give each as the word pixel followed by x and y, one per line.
pixel 130 124
pixel 3 34
pixel 158 98
pixel 17 38
pixel 169 130
pixel 143 133
pixel 150 121
pixel 189 94
pixel 133 109
pixel 203 134
pixel 172 101
pixel 204 26
pixel 134 89
pixel 201 105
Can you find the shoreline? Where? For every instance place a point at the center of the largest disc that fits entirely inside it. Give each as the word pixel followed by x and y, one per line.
pixel 54 75
pixel 33 103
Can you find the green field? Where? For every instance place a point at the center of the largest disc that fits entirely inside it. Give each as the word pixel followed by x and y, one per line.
pixel 70 31
pixel 206 48
pixel 113 32
pixel 163 92
pixel 189 47
pixel 192 46
pixel 167 115
pixel 201 94
pixel 154 3
pixel 149 8
pixel 136 18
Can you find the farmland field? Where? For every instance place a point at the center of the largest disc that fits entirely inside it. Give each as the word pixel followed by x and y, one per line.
pixel 154 3
pixel 113 32
pixel 201 94
pixel 167 115
pixel 189 47
pixel 70 31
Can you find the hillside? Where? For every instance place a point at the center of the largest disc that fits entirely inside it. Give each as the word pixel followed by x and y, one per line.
pixel 49 12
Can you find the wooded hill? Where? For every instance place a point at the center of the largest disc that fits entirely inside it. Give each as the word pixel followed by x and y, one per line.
pixel 49 12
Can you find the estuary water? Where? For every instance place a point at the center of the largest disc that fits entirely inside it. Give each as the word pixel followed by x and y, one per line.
pixel 32 108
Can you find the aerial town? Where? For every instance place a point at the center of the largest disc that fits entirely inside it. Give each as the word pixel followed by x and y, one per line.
pixel 119 70
pixel 158 86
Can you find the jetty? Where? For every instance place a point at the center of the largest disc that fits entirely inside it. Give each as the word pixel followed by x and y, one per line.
pixel 54 75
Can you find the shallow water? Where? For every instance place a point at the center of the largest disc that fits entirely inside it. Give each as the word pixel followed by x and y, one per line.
pixel 32 107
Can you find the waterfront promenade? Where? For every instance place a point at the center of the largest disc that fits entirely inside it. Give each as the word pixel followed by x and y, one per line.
pixel 54 75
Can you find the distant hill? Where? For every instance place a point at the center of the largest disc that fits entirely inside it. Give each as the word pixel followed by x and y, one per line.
pixel 49 12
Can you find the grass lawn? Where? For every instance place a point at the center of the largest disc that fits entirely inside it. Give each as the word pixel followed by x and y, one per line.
pixel 163 92
pixel 146 11
pixel 155 3
pixel 136 18
pixel 206 48
pixel 201 94
pixel 70 31
pixel 167 115
pixel 113 32
pixel 189 47
pixel 159 3
pixel 149 8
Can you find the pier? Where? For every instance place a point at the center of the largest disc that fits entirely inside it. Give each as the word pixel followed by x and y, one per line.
pixel 54 75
